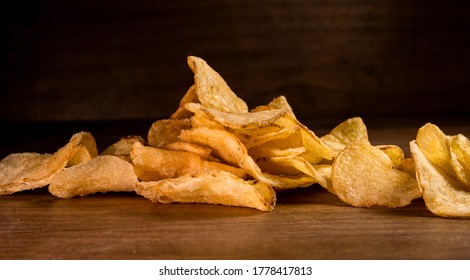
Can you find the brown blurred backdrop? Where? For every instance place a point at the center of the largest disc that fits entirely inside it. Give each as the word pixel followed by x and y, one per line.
pixel 126 60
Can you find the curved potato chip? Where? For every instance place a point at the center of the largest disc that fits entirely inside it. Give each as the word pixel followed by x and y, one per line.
pixel 280 102
pixel 395 153
pixel 246 120
pixel 202 152
pixel 291 165
pixel 164 132
pixel 122 148
pixel 325 172
pixel 345 133
pixel 363 176
pixel 284 135
pixel 152 164
pixel 228 147
pixel 85 150
pixel 27 171
pixel 215 187
pixel 211 89
pixel 102 174
pixel 316 150
pixel 433 142
pixel 444 196
pixel 460 158
pixel 189 97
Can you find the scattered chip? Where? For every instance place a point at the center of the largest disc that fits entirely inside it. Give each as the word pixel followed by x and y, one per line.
pixel 216 187
pixel 27 171
pixel 460 158
pixel 444 196
pixel 363 176
pixel 101 174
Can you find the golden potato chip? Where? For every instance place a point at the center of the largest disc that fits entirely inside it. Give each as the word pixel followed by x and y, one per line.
pixel 285 142
pixel 280 102
pixel 153 164
pixel 235 121
pixel 211 89
pixel 444 196
pixel 363 176
pixel 189 97
pixel 102 174
pixel 316 150
pixel 202 152
pixel 433 143
pixel 216 187
pixel 273 151
pixel 324 171
pixel 460 158
pixel 164 132
pixel 122 148
pixel 27 171
pixel 85 150
pixel 292 166
pixel 231 150
pixel 223 144
pixel 345 133
pixel 199 119
pixel 395 153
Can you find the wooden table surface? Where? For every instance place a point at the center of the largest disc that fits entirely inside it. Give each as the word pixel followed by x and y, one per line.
pixel 308 223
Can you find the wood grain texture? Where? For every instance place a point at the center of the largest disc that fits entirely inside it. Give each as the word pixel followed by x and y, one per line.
pixel 87 60
pixel 308 223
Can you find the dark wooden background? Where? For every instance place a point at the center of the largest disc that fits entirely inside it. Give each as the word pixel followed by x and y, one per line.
pixel 115 60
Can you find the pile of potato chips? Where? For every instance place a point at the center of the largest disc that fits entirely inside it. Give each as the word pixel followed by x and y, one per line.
pixel 213 149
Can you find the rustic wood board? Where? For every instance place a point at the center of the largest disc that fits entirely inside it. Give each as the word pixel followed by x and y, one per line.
pixel 308 223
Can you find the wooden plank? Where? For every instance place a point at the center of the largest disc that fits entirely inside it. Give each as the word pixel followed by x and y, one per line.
pixel 308 223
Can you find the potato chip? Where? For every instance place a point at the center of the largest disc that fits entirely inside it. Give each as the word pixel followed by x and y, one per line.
pixel 460 158
pixel 102 174
pixel 284 135
pixel 363 176
pixel 189 97
pixel 345 133
pixel 153 164
pixel 216 187
pixel 235 121
pixel 444 196
pixel 202 152
pixel 211 89
pixel 433 143
pixel 223 144
pixel 292 166
pixel 85 150
pixel 229 148
pixel 325 173
pixel 27 171
pixel 280 102
pixel 122 148
pixel 164 132
pixel 316 150
pixel 395 153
